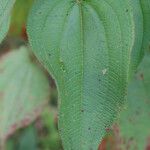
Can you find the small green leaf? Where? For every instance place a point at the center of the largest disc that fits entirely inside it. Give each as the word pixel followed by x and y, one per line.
pixel 5 12
pixel 134 121
pixel 24 90
pixel 86 45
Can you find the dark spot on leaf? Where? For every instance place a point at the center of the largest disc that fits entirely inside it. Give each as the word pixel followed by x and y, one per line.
pixel 142 76
pixel 127 10
pixel 131 139
pixel 62 66
pixel 107 129
pixel 82 110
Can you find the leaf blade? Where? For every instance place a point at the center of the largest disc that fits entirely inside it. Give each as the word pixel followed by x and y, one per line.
pixel 75 41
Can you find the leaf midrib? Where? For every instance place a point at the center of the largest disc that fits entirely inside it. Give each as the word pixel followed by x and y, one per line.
pixel 82 67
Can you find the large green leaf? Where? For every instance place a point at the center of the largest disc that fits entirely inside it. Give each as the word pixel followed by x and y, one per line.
pixel 24 90
pixel 134 122
pixel 86 45
pixel 5 12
